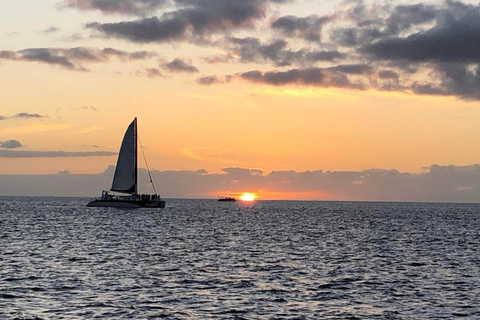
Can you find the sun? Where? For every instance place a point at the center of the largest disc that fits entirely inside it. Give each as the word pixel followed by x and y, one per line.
pixel 247 197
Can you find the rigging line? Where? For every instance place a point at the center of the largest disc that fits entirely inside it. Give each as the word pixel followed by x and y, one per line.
pixel 146 163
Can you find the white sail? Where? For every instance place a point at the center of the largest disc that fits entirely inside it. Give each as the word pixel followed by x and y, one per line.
pixel 125 178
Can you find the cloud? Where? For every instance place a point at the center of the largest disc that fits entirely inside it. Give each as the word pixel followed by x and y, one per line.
pixel 51 29
pixel 403 17
pixel 90 108
pixel 238 173
pixel 208 80
pixel 73 58
pixel 277 51
pixel 128 7
pixel 151 73
pixel 430 49
pixel 439 44
pixel 25 115
pixel 10 144
pixel 2 117
pixel 421 49
pixel 321 77
pixel 52 154
pixel 194 19
pixel 308 28
pixel 180 66
pixel 436 184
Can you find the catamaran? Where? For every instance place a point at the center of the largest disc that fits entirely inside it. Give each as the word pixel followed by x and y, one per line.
pixel 123 193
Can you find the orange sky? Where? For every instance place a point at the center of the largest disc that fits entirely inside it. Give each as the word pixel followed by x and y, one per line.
pixel 343 120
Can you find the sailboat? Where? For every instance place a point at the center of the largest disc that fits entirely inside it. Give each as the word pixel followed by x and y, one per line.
pixel 123 193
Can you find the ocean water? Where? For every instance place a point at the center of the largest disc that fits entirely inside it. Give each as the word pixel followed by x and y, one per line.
pixel 201 259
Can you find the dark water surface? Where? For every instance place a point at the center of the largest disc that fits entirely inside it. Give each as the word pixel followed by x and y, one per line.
pixel 201 259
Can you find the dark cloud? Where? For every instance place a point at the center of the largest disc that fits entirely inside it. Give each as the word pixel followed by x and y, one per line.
pixel 130 7
pixel 388 74
pixel 332 55
pixel 320 77
pixel 2 118
pixel 10 144
pixel 144 30
pixel 26 115
pixel 424 49
pixel 248 50
pixel 195 19
pixel 455 79
pixel 308 28
pixel 180 66
pixel 48 56
pixel 456 38
pixel 353 68
pixel 73 58
pixel 208 80
pixel 252 50
pixel 52 154
pixel 404 17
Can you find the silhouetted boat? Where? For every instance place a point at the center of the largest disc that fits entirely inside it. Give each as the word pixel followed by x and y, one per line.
pixel 123 193
pixel 226 199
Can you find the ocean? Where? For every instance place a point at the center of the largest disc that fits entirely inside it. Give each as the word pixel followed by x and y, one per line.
pixel 203 259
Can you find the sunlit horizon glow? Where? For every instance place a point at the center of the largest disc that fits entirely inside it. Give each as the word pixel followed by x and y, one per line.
pixel 248 197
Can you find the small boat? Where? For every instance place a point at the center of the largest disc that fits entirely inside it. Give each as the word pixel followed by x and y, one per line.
pixel 123 193
pixel 226 199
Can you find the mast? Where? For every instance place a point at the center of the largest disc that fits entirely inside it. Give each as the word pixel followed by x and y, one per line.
pixel 136 154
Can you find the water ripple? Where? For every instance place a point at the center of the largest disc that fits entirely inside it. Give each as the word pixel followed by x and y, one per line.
pixel 200 259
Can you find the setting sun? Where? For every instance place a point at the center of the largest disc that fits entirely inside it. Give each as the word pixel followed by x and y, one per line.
pixel 247 197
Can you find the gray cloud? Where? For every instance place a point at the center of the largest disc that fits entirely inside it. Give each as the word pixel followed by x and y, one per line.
pixel 248 50
pixel 130 7
pixel 52 154
pixel 178 65
pixel 151 73
pixel 308 28
pixel 26 115
pixel 195 19
pixel 2 118
pixel 10 144
pixel 72 58
pixel 331 55
pixel 321 77
pixel 437 184
pixel 209 80
pixel 455 38
pixel 404 17
pixel 144 30
pixel 51 29
pixel 424 49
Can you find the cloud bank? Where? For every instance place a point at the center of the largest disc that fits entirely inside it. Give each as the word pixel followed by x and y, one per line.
pixel 52 154
pixel 436 184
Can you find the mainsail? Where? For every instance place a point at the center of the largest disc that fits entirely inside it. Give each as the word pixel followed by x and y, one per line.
pixel 125 178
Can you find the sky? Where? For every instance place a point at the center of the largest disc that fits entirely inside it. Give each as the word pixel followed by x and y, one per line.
pixel 307 99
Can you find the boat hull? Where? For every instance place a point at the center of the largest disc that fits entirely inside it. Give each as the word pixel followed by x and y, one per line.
pixel 129 204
